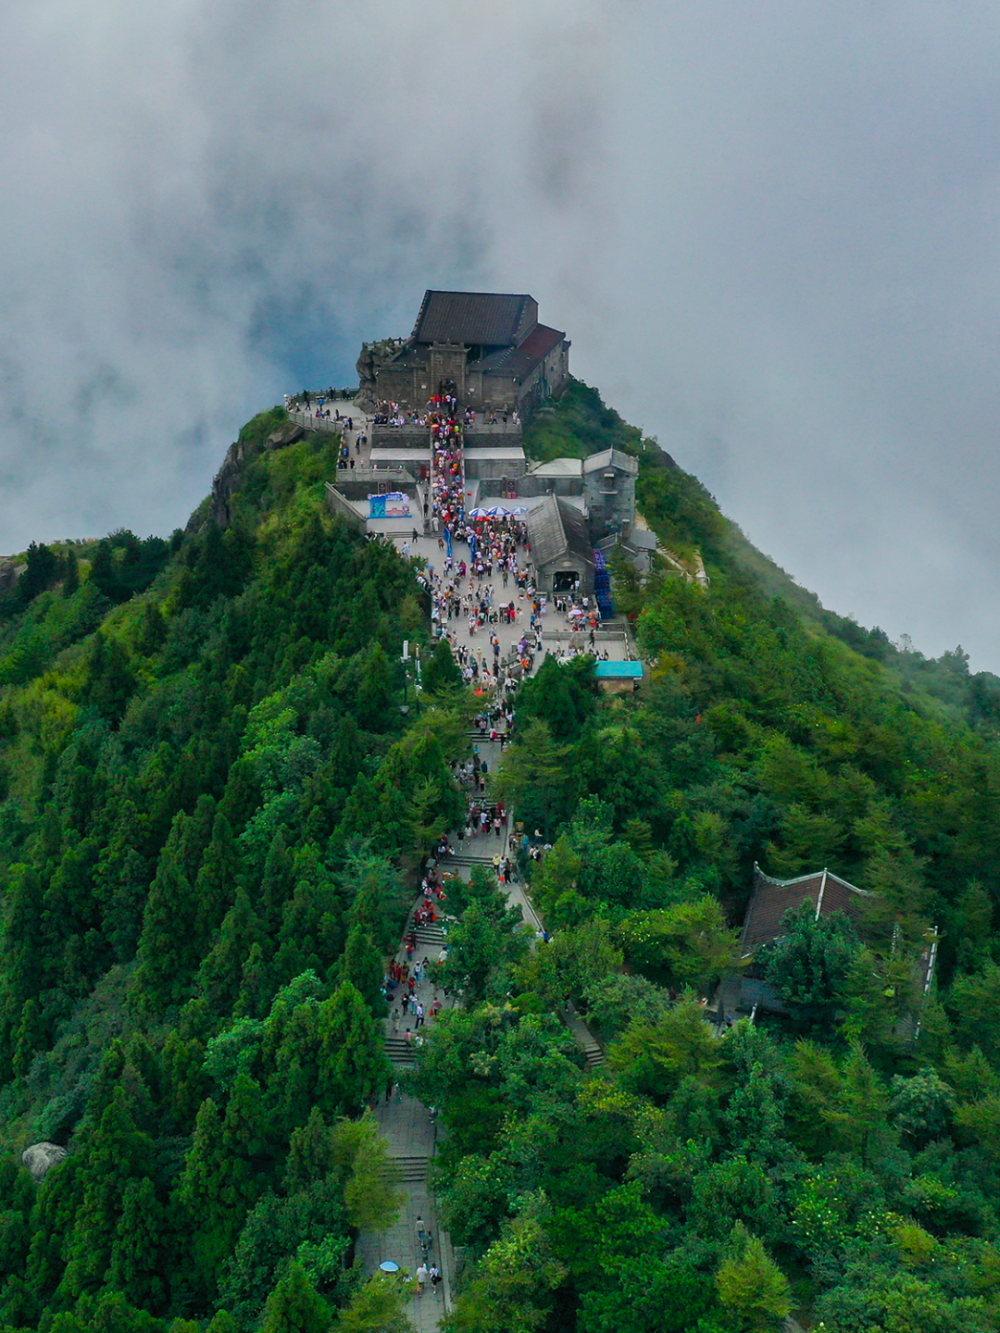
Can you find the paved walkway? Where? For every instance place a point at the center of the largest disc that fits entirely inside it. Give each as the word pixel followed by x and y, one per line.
pixel 407 1127
pixel 404 1121
pixel 480 849
pixel 411 1135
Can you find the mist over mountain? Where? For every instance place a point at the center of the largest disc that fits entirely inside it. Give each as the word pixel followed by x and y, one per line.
pixel 769 233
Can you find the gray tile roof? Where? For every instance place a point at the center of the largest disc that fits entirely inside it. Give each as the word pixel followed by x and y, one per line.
pixel 608 458
pixel 555 529
pixel 558 467
pixel 483 319
pixel 772 898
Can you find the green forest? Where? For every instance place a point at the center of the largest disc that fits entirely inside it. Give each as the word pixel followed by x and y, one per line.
pixel 216 797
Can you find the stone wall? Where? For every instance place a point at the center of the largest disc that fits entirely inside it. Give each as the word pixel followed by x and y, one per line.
pixel 611 502
pixel 341 507
pixel 546 575
pixel 401 437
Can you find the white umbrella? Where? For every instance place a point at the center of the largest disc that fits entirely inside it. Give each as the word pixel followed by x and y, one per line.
pixel 497 511
pixel 519 510
pixel 479 513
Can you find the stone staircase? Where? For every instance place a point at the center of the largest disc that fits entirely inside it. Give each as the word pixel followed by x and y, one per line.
pixel 430 937
pixel 592 1053
pixel 490 846
pixel 399 1052
pixel 410 1170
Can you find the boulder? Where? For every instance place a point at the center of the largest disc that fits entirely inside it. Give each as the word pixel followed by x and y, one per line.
pixel 285 435
pixel 9 574
pixel 41 1157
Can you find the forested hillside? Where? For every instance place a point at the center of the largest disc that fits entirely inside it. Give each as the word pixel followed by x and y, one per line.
pixel 839 1163
pixel 209 803
pixel 213 807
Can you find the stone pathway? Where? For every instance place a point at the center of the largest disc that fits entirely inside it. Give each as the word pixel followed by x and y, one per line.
pixel 480 850
pixel 411 1135
pixel 404 1121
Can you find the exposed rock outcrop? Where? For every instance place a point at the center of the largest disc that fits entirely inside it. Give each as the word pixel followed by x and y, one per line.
pixel 9 574
pixel 287 434
pixel 373 357
pixel 40 1158
pixel 238 457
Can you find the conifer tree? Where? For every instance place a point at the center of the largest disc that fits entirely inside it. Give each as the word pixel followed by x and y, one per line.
pixel 220 1183
pixel 752 1285
pixel 137 1257
pixel 375 695
pixel 278 880
pixel 114 1153
pixel 295 1306
pixel 353 1064
pixel 310 1153
pixel 166 956
pixel 71 578
pixel 364 967
pixel 153 630
pixel 221 973
pixel 441 671
pixel 121 879
pixel 215 886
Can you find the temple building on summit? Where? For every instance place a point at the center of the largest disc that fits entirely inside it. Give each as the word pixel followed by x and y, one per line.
pixel 485 360
pixel 486 348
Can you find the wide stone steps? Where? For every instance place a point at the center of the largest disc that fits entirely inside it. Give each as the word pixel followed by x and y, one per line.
pixel 593 1055
pixel 398 1051
pixel 410 1170
pixel 428 935
pixel 471 859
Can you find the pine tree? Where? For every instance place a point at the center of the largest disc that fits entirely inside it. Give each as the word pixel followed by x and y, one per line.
pixel 374 698
pixel 121 880
pixel 220 1184
pixel 215 886
pixel 753 1285
pixel 310 1153
pixel 295 1306
pixel 441 671
pixel 113 1153
pixel 166 954
pixel 221 972
pixel 153 630
pixel 136 1256
pixel 71 578
pixel 364 967
pixel 110 681
pixel 353 1064
pixel 278 881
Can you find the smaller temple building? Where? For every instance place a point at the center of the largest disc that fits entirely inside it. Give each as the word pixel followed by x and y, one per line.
pixel 561 549
pixel 763 923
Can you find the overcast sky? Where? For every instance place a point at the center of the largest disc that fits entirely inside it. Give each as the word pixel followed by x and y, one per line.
pixel 770 229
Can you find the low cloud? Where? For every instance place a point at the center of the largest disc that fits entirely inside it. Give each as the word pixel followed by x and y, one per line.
pixel 769 231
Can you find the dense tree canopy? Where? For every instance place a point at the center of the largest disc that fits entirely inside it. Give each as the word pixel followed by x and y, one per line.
pixel 213 809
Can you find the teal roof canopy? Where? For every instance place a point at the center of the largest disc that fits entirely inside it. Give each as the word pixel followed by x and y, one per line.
pixel 618 670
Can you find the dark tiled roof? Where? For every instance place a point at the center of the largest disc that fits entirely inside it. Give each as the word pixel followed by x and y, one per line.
pixel 482 319
pixel 540 341
pixel 773 897
pixel 519 362
pixel 555 528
